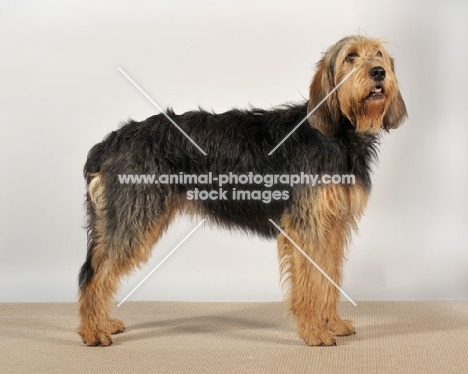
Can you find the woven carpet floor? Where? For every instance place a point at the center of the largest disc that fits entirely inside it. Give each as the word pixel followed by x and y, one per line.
pixel 178 337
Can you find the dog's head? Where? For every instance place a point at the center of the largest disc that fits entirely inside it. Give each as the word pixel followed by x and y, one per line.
pixel 361 75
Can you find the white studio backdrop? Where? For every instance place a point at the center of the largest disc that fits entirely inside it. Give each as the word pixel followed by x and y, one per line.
pixel 61 93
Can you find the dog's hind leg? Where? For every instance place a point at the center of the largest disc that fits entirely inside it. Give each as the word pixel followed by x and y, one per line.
pixel 113 251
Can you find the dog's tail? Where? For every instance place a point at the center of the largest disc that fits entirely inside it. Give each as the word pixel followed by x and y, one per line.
pixel 93 162
pixel 91 169
pixel 86 272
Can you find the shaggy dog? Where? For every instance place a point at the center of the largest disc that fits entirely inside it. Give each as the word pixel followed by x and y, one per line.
pixel 339 137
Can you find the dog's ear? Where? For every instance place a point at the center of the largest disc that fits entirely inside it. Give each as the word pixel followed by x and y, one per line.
pixel 325 117
pixel 396 111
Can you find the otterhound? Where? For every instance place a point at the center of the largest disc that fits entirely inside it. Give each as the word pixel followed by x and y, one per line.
pixel 340 138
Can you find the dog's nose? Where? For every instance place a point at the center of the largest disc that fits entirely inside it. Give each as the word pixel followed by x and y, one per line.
pixel 377 73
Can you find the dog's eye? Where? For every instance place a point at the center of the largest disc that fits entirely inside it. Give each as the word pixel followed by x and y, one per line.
pixel 351 57
pixel 379 54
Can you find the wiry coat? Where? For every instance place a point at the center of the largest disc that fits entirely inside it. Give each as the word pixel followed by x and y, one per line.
pixel 340 138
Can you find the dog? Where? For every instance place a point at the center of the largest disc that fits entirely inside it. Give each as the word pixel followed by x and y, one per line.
pixel 339 137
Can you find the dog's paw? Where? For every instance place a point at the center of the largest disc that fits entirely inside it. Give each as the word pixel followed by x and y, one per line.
pixel 96 338
pixel 341 327
pixel 319 338
pixel 116 326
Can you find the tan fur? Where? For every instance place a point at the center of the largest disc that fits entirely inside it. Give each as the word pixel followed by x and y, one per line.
pixel 320 224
